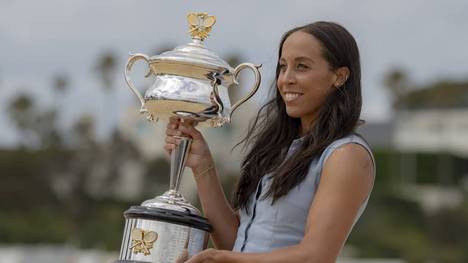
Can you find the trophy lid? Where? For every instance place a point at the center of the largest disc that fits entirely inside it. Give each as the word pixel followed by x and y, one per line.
pixel 195 54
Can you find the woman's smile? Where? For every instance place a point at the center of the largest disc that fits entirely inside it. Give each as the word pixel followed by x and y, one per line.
pixel 291 96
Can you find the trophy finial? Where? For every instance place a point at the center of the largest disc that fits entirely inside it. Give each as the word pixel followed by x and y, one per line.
pixel 200 25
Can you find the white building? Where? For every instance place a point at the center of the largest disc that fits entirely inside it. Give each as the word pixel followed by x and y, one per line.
pixel 432 130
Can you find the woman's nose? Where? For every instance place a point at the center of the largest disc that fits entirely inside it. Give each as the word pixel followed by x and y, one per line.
pixel 288 77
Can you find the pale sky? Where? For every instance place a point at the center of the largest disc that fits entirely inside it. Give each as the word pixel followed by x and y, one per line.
pixel 39 39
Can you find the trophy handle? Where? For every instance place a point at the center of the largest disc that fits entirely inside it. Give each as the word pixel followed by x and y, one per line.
pixel 254 89
pixel 133 58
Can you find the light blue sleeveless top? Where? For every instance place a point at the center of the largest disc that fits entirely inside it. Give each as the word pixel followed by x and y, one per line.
pixel 266 226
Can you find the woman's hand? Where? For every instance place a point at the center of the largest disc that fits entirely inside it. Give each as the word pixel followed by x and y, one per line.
pixel 200 157
pixel 207 256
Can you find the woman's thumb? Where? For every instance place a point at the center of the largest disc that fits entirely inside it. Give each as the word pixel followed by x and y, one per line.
pixel 182 257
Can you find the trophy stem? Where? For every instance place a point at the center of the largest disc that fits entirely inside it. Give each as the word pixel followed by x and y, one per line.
pixel 178 158
pixel 172 196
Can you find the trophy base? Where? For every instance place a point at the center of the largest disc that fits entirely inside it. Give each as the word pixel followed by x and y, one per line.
pixel 158 235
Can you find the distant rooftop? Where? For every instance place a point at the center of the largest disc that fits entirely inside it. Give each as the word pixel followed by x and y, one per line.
pixel 377 134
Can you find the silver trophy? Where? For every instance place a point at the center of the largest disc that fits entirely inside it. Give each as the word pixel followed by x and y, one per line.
pixel 192 83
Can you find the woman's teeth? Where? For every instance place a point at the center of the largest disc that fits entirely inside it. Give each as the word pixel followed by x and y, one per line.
pixel 291 96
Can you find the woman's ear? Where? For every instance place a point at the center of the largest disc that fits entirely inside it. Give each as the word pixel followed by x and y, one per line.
pixel 342 75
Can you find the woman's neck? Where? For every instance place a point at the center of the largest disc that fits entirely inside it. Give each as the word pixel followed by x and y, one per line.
pixel 306 125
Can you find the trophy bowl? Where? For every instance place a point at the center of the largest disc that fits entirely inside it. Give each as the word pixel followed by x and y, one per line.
pixel 192 83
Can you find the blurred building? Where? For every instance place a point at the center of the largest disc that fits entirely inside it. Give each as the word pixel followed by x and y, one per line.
pixel 378 134
pixel 433 118
pixel 432 130
pixel 425 145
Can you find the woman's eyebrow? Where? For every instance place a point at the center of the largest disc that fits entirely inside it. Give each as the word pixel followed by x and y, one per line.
pixel 304 58
pixel 298 59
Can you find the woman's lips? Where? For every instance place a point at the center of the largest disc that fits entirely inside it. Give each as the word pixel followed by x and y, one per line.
pixel 291 96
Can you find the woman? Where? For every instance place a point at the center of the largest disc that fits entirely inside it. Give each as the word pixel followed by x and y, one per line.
pixel 307 177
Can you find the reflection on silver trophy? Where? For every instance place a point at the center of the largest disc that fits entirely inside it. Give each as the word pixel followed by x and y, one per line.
pixel 192 83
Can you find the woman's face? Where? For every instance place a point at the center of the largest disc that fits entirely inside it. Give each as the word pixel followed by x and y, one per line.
pixel 305 79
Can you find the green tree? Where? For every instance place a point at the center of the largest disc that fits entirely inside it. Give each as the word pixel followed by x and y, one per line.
pixel 21 111
pixel 37 127
pixel 105 68
pixel 398 83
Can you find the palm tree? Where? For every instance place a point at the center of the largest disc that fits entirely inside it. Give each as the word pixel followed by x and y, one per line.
pixel 21 111
pixel 398 83
pixel 60 85
pixel 106 69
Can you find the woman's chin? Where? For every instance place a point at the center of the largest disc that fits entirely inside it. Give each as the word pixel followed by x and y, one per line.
pixel 293 112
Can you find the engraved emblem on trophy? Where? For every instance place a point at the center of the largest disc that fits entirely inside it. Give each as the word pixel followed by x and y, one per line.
pixel 190 82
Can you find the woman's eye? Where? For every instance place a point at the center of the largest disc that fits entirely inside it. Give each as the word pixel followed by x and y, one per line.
pixel 282 66
pixel 302 66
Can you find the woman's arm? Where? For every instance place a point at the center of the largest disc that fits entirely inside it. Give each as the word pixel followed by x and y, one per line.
pixel 214 203
pixel 217 209
pixel 346 182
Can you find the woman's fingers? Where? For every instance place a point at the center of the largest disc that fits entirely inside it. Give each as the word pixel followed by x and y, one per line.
pixel 168 150
pixel 174 120
pixel 178 127
pixel 182 257
pixel 173 123
pixel 172 140
pixel 173 132
pixel 191 131
pixel 169 147
pixel 208 255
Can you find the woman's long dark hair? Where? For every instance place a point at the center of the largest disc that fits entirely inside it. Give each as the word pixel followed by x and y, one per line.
pixel 273 130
